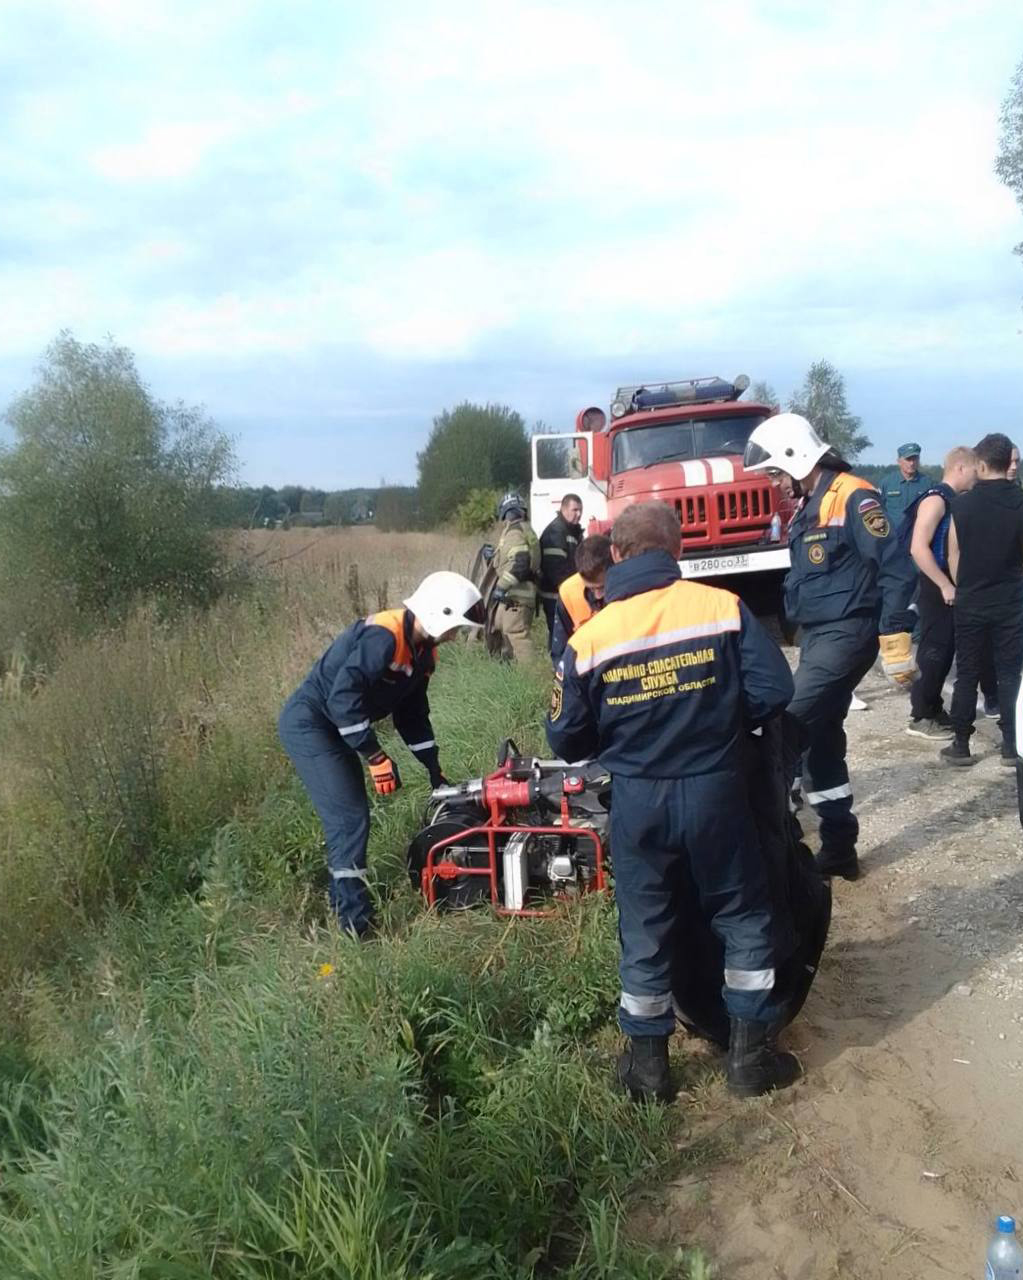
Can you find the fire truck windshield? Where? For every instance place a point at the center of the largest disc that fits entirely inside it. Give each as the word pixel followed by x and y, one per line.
pixel 682 439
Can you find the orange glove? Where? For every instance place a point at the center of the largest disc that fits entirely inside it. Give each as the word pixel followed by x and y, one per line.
pixel 897 658
pixel 384 773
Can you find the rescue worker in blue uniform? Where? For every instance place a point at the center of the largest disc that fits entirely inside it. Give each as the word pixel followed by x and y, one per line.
pixel 379 666
pixel 662 685
pixel 901 487
pixel 849 589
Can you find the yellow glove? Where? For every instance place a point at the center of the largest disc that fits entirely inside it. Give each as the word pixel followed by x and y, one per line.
pixel 897 657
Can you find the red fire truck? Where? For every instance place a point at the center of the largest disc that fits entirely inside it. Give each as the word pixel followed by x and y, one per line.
pixel 678 442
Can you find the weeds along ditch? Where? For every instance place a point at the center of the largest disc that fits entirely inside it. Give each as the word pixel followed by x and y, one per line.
pixel 200 1078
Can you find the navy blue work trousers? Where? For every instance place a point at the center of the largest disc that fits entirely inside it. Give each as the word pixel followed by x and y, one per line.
pixel 684 846
pixel 332 774
pixel 833 658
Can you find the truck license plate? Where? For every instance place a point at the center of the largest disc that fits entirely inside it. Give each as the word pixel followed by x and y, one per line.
pixel 711 565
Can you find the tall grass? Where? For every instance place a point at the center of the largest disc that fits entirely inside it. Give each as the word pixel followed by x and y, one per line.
pixel 200 1077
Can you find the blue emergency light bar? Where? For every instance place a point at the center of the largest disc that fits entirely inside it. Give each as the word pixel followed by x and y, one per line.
pixel 659 395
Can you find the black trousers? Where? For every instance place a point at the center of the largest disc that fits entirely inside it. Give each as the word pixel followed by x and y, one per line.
pixel 550 604
pixel 935 652
pixel 979 642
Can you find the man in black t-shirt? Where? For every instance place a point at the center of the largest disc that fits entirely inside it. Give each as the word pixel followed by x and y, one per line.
pixel 985 557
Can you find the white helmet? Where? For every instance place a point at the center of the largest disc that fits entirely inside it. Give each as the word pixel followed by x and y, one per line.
pixel 444 601
pixel 786 443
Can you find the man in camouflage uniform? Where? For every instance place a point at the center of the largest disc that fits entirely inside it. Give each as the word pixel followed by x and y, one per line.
pixel 516 565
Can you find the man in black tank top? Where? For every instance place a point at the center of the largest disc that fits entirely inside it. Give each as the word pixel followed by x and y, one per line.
pixel 986 563
pixel 926 526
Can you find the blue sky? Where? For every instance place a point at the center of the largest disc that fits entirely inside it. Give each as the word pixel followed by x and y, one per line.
pixel 328 221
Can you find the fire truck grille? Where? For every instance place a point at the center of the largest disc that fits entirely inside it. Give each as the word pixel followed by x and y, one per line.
pixel 691 511
pixel 744 505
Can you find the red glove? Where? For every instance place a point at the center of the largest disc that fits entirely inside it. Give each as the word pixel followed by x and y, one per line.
pixel 384 773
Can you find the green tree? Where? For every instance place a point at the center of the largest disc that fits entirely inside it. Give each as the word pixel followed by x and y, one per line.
pixel 1009 165
pixel 821 399
pixel 106 495
pixel 312 500
pixel 471 447
pixel 290 495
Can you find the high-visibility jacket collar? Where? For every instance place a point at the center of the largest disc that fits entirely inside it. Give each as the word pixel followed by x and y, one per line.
pixel 577 600
pixel 400 623
pixel 645 572
pixel 828 502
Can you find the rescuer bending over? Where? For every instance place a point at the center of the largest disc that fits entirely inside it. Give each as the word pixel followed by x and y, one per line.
pixel 379 666
pixel 662 685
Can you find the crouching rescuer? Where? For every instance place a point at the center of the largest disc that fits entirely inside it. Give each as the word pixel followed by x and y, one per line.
pixel 379 666
pixel 662 685
pixel 850 583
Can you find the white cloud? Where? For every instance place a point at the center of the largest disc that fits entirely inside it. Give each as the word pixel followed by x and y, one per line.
pixel 593 179
pixel 165 151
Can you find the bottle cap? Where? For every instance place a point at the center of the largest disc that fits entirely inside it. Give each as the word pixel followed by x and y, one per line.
pixel 1007 1224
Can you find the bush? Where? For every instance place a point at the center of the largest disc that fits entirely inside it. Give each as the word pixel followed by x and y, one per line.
pixel 478 512
pixel 105 497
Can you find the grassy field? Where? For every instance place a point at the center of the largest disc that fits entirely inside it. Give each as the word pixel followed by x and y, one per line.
pixel 198 1076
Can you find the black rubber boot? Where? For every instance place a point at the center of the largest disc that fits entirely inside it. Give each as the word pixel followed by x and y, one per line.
pixel 755 1065
pixel 832 861
pixel 643 1069
pixel 958 753
pixel 1009 756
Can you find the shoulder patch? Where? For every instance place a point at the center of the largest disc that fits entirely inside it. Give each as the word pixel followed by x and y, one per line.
pixel 557 701
pixel 868 504
pixel 876 523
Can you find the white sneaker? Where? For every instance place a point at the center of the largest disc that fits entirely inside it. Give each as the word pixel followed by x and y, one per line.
pixel 857 704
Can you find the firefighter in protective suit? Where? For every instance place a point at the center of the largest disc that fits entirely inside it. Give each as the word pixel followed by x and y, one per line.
pixel 662 685
pixel 379 666
pixel 849 589
pixel 516 565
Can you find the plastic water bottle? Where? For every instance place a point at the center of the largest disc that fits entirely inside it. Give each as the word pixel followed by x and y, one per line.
pixel 776 527
pixel 1004 1256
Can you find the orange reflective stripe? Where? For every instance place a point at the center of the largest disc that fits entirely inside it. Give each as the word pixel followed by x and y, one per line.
pixel 573 597
pixel 675 614
pixel 393 620
pixel 834 502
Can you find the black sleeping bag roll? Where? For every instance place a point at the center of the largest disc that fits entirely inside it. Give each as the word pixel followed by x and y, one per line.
pixel 800 895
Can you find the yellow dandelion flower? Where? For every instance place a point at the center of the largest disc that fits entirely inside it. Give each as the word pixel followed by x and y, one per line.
pixel 325 970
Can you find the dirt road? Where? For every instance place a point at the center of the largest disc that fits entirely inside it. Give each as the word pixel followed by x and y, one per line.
pixel 906 1137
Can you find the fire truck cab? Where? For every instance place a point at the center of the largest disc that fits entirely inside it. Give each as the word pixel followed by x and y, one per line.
pixel 677 442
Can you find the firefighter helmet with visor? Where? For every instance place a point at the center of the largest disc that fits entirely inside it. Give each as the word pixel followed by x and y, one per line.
pixel 444 601
pixel 786 442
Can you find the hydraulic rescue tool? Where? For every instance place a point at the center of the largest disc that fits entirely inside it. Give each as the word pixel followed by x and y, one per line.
pixel 531 832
